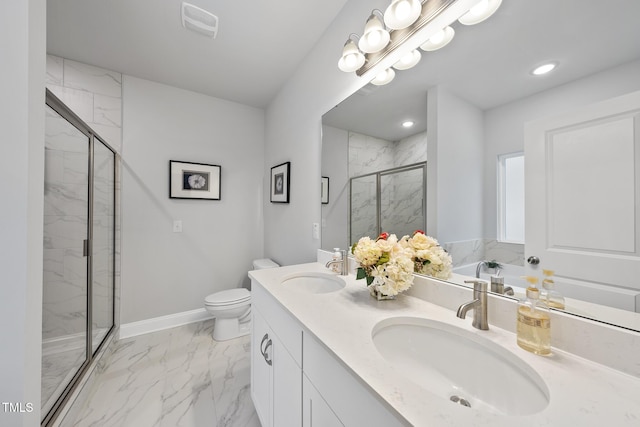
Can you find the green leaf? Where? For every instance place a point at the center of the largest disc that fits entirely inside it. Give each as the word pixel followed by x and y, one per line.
pixel 384 258
pixel 360 273
pixel 369 280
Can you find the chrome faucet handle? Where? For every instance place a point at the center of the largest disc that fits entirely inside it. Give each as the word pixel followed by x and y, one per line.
pixel 479 285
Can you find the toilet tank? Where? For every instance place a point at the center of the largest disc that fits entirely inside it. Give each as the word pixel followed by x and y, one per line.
pixel 261 264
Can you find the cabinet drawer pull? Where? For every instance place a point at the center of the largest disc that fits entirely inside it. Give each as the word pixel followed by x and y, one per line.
pixel 264 338
pixel 266 356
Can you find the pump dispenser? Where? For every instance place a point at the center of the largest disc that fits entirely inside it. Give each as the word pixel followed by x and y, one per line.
pixel 534 323
pixel 548 294
pixel 337 256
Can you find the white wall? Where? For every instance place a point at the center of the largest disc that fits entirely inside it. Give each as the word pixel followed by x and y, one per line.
pixel 454 172
pixel 293 133
pixel 22 47
pixel 165 272
pixel 335 155
pixel 504 125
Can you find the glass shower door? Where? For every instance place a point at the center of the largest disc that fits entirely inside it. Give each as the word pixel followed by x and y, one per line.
pixel 402 201
pixel 64 300
pixel 363 209
pixel 103 223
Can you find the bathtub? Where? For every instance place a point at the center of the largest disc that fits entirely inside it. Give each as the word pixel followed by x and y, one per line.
pixel 512 274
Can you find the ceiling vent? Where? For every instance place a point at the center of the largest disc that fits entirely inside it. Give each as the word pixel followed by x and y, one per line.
pixel 199 20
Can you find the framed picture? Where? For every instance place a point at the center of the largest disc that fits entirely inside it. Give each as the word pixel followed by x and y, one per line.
pixel 280 183
pixel 189 180
pixel 324 190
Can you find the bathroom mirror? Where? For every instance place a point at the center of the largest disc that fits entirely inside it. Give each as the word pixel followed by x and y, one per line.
pixel 481 89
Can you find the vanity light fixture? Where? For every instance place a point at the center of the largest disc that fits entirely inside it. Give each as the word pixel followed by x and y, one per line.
pixel 376 36
pixel 439 39
pixel 402 13
pixel 384 77
pixel 409 60
pixel 480 12
pixel 544 68
pixel 405 20
pixel 352 58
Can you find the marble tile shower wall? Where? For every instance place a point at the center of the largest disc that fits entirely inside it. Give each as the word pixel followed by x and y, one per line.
pixel 475 250
pixel 400 208
pixel 95 95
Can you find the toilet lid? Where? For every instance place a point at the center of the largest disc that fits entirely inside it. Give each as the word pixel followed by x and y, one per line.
pixel 229 296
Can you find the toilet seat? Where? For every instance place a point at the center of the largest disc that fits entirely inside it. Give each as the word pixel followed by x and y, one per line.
pixel 228 297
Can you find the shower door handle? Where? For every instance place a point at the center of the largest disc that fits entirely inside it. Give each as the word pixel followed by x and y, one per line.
pixel 86 247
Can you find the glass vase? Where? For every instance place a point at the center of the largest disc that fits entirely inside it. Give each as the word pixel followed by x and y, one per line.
pixel 375 292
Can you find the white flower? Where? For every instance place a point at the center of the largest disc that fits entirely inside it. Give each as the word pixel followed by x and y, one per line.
pixel 367 252
pixel 387 261
pixel 429 257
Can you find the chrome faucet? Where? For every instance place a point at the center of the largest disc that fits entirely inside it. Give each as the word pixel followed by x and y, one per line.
pixel 497 285
pixel 343 262
pixel 479 267
pixel 478 305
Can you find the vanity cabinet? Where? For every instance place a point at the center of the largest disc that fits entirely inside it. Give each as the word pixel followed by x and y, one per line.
pixel 336 392
pixel 315 410
pixel 276 373
pixel 323 394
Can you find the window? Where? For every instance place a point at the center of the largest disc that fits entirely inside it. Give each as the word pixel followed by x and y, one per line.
pixel 511 198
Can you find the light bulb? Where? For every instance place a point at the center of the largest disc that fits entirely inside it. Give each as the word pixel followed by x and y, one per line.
pixel 402 9
pixel 439 39
pixel 375 36
pixel 480 8
pixel 384 77
pixel 481 11
pixel 402 13
pixel 409 60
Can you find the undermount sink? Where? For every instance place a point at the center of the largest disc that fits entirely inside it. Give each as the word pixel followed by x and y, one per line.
pixel 314 283
pixel 460 366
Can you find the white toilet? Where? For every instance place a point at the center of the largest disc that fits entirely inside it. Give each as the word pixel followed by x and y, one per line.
pixel 232 308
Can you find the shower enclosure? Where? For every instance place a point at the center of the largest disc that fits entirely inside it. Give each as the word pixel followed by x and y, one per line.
pixel 79 251
pixel 392 200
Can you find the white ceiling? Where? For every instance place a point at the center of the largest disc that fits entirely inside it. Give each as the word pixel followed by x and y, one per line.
pixel 489 64
pixel 258 47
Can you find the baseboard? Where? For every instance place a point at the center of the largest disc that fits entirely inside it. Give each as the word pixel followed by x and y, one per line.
pixel 163 322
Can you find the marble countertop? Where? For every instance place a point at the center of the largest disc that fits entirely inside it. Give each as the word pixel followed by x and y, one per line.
pixel 581 392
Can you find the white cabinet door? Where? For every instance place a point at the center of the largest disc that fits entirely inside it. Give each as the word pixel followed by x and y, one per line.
pixel 316 412
pixel 261 372
pixel 276 376
pixel 582 187
pixel 287 386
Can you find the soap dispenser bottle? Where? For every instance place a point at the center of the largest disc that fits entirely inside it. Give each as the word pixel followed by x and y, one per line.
pixel 337 256
pixel 534 323
pixel 548 294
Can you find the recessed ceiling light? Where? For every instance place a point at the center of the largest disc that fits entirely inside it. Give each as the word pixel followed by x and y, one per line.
pixel 407 124
pixel 544 69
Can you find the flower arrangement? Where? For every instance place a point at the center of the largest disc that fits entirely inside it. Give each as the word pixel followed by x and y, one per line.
pixel 385 263
pixel 428 256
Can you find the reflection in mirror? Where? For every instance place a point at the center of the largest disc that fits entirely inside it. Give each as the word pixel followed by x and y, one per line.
pixel 473 100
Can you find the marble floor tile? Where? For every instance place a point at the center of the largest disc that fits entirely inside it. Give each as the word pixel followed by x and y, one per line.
pixel 178 377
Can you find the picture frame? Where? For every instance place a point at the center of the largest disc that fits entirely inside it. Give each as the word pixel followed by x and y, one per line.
pixel 324 190
pixel 189 180
pixel 279 185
